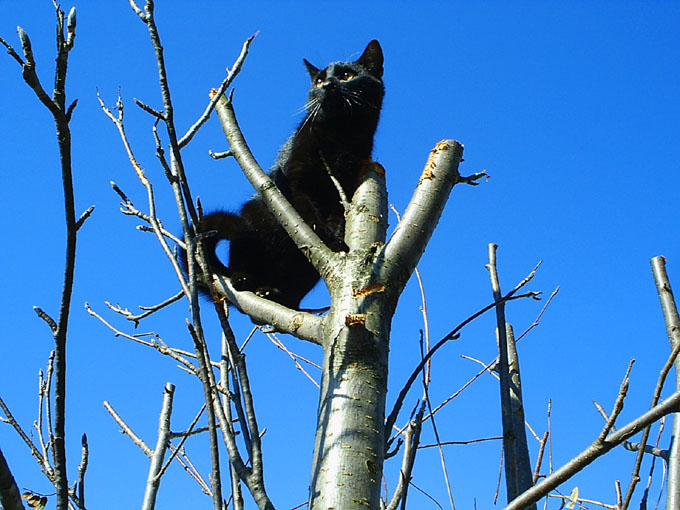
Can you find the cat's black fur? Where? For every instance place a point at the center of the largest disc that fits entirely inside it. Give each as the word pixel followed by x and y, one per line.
pixel 343 107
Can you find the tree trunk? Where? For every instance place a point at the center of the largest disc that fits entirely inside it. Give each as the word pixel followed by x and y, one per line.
pixel 350 439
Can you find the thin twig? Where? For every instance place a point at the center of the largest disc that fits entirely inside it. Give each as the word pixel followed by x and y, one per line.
pixel 129 209
pixel 152 218
pixel 278 343
pixel 411 439
pixel 84 217
pixel 82 468
pixel 469 441
pixel 490 366
pixel 540 314
pixel 127 430
pixel 442 458
pixel 237 468
pixel 634 447
pixel 518 476
pixel 206 377
pixel 215 94
pixel 154 479
pixel 148 310
pixel 191 470
pixel 539 458
pixel 672 321
pixel 618 404
pixel 635 476
pixel 176 354
pixel 595 450
pixel 10 498
pixel 44 316
pixel 149 110
pixel 549 418
pixel 42 462
pixel 453 334
pixel 254 477
pixel 580 501
pixel 185 435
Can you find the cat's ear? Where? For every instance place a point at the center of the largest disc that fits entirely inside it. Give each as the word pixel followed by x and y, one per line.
pixel 313 71
pixel 372 59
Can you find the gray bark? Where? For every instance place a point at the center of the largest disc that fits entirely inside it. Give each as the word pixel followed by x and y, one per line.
pixel 349 446
pixel 670 313
pixel 10 498
pixel 365 285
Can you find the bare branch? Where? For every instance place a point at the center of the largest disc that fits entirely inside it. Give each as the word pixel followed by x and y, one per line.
pixel 191 470
pixel 635 477
pixel 48 400
pixel 154 479
pixel 153 220
pixel 595 450
pixel 540 315
pixel 128 208
pixel 70 29
pixel 82 468
pixel 176 354
pixel 667 300
pixel 216 94
pixel 127 430
pixel 221 155
pixel 423 212
pixel 452 335
pixel 411 440
pixel 29 73
pixel 42 461
pixel 618 405
pixel 10 498
pixel 84 217
pixel 237 468
pixel 11 52
pixel 302 234
pixel 149 110
pixel 210 395
pixel 235 396
pixel 491 365
pixel 184 436
pixel 652 450
pixel 43 395
pixel 137 10
pixel 518 475
pixel 580 501
pixel 303 325
pixel 672 320
pixel 279 344
pixel 254 478
pixel 148 310
pixel 539 458
pixel 44 316
pixel 469 441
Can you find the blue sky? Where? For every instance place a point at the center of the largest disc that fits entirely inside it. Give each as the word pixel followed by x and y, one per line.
pixel 572 108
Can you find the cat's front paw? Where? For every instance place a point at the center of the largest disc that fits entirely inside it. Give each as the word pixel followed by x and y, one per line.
pixel 241 281
pixel 270 293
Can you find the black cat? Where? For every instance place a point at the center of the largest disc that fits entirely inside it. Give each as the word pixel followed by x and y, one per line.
pixel 336 135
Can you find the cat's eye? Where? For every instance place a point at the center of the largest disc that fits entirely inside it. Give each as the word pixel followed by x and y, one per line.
pixel 346 75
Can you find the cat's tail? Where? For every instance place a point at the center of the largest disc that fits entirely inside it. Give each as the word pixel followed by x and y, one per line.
pixel 227 226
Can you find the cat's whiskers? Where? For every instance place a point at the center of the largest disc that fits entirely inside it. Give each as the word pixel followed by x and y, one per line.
pixel 355 96
pixel 307 106
pixel 315 104
pixel 349 103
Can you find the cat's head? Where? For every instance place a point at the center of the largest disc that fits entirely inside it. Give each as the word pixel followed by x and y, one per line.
pixel 347 89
